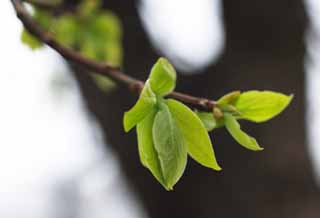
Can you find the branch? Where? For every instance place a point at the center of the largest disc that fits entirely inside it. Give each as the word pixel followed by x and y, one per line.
pixel 105 69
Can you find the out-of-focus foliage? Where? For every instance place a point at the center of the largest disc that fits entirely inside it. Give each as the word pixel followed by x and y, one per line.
pixel 95 32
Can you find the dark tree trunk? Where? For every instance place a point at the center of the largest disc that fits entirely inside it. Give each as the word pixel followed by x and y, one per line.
pixel 264 50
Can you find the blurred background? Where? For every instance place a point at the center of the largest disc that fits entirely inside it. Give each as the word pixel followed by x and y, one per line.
pixel 63 152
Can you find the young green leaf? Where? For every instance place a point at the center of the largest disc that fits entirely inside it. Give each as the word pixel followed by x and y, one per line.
pixel 241 137
pixel 163 77
pixel 146 104
pixel 30 40
pixel 229 98
pixel 66 29
pixel 208 120
pixel 195 134
pixel 147 152
pixel 259 106
pixel 170 146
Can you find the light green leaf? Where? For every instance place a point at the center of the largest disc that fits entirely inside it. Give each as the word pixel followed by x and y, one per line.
pixel 66 29
pixel 163 77
pixel 88 7
pixel 102 38
pixel 241 137
pixel 229 98
pixel 195 134
pixel 259 106
pixel 207 119
pixel 30 40
pixel 170 146
pixel 145 105
pixel 147 152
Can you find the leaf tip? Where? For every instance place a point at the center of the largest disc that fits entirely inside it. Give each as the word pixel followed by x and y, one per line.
pixel 259 148
pixel 126 124
pixel 169 189
pixel 217 168
pixel 291 96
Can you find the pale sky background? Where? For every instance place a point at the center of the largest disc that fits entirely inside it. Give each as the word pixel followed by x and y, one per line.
pixel 48 141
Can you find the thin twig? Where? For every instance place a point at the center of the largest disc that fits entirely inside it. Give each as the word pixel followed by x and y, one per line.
pixel 112 72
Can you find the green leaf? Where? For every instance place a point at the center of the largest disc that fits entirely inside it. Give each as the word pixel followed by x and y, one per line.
pixel 30 40
pixel 195 134
pixel 208 120
pixel 66 29
pixel 101 38
pixel 241 137
pixel 229 98
pixel 163 77
pixel 146 104
pixel 170 146
pixel 88 7
pixel 147 152
pixel 44 18
pixel 259 106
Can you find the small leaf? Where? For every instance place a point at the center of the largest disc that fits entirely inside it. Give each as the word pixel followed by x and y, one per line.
pixel 88 7
pixel 163 77
pixel 147 152
pixel 209 121
pixel 66 30
pixel 30 40
pixel 195 134
pixel 229 98
pixel 259 106
pixel 101 38
pixel 241 137
pixel 141 109
pixel 170 146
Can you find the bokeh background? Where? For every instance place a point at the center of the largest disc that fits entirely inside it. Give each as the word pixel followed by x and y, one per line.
pixel 63 152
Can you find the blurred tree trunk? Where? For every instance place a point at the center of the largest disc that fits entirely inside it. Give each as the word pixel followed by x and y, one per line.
pixel 264 50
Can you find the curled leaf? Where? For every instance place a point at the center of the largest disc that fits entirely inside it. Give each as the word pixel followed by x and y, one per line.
pixel 241 137
pixel 163 77
pixel 146 104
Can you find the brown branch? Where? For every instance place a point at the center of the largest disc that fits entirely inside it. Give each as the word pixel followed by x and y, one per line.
pixel 112 72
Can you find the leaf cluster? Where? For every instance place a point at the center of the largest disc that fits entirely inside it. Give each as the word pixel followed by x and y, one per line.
pixel 95 32
pixel 168 131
